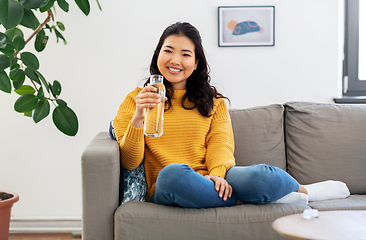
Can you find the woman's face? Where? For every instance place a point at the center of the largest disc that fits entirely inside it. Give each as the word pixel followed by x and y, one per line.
pixel 177 60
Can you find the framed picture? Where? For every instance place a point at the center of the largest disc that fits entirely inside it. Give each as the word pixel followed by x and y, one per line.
pixel 246 26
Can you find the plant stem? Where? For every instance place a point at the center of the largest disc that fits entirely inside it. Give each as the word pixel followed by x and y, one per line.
pixel 100 7
pixel 39 28
pixel 34 85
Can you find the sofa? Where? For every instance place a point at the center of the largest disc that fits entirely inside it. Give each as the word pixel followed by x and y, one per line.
pixel 311 141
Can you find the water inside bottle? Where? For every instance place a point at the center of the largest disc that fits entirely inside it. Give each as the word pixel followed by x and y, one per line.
pixel 155 116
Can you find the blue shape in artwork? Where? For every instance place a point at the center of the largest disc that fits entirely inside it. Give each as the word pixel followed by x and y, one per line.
pixel 246 27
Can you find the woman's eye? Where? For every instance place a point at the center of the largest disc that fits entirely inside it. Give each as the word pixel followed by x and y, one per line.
pixel 167 51
pixel 186 55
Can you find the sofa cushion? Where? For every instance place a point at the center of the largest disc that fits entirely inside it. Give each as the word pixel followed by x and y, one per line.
pixel 327 141
pixel 259 135
pixel 141 220
pixel 353 202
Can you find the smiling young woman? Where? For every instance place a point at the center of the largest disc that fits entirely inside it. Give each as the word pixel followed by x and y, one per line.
pixel 192 163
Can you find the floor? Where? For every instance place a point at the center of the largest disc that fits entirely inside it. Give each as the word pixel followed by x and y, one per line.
pixel 62 236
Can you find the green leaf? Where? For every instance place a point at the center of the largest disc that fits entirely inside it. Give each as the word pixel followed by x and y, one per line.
pixel 11 13
pixel 32 75
pixel 61 26
pixel 41 41
pixel 12 33
pixel 63 5
pixel 59 35
pixel 61 103
pixel 4 39
pixel 65 120
pixel 25 103
pixel 84 6
pixel 51 89
pixel 14 70
pixel 28 114
pixel 43 80
pixel 33 4
pixel 18 43
pixel 16 73
pixel 41 111
pixel 29 19
pixel 25 89
pixel 8 50
pixel 56 86
pixel 18 83
pixel 40 94
pixel 5 85
pixel 48 27
pixel 4 62
pixel 30 60
pixel 6 45
pixel 47 6
pixel 13 60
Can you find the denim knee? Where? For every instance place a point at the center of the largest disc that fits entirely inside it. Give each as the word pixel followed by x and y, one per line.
pixel 171 174
pixel 252 173
pixel 260 183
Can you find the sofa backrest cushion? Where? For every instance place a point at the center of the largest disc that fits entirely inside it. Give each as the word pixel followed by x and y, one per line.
pixel 327 142
pixel 259 135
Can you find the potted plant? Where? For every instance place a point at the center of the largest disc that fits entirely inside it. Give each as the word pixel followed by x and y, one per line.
pixel 7 199
pixel 20 71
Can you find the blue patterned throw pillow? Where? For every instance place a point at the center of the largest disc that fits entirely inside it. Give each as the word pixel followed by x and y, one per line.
pixel 134 185
pixel 134 181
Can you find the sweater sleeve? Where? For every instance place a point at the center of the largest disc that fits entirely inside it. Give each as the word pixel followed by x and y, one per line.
pixel 220 142
pixel 130 139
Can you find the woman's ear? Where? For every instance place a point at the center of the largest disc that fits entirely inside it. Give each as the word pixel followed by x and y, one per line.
pixel 195 66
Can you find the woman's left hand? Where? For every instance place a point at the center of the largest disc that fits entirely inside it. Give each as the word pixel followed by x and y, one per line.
pixel 222 186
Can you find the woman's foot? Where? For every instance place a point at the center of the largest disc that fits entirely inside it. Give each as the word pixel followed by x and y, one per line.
pixel 294 197
pixel 327 190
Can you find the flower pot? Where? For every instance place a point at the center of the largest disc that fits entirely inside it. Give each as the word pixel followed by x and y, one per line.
pixel 5 209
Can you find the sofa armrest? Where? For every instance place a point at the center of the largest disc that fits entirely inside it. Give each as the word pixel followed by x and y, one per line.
pixel 100 168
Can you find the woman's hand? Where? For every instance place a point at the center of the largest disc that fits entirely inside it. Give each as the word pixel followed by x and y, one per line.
pixel 147 98
pixel 222 186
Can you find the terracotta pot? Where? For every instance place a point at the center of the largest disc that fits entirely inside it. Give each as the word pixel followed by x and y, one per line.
pixel 5 209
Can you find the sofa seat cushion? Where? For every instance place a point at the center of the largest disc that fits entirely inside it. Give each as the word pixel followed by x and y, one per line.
pixel 327 142
pixel 259 135
pixel 142 220
pixel 353 202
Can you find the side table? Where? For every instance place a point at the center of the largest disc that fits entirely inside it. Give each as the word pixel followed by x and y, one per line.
pixel 329 225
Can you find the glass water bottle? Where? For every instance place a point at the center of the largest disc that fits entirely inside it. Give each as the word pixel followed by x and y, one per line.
pixel 154 117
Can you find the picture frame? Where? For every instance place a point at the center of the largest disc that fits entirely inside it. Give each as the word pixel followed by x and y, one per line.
pixel 246 26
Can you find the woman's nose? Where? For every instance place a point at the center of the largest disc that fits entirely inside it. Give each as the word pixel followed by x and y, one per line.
pixel 175 59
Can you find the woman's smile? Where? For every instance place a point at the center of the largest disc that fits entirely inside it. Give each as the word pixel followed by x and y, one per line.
pixel 174 70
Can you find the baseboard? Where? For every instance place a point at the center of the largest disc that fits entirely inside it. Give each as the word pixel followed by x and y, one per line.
pixel 45 225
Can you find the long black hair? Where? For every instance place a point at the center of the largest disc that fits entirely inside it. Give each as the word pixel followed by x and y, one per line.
pixel 199 91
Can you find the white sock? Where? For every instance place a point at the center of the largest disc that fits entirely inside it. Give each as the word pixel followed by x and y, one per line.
pixel 294 197
pixel 327 190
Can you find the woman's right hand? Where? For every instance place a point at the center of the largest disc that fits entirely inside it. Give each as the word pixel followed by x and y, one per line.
pixel 224 189
pixel 147 98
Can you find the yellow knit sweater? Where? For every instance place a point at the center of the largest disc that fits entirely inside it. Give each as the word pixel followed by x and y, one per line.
pixel 206 144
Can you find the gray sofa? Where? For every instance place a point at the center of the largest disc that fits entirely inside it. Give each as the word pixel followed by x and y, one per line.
pixel 311 141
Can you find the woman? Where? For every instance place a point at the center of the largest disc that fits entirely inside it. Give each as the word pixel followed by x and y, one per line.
pixel 192 163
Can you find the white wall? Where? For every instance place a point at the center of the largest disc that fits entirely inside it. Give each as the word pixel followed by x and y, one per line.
pixel 108 54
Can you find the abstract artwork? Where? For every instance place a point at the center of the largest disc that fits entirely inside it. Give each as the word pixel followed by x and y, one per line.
pixel 246 26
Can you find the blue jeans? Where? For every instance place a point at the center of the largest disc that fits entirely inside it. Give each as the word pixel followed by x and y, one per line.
pixel 178 184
